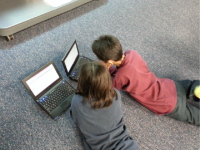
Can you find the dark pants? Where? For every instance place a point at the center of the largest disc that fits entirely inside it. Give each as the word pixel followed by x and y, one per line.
pixel 185 111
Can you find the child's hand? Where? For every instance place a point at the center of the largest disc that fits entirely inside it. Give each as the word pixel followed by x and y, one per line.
pixel 108 67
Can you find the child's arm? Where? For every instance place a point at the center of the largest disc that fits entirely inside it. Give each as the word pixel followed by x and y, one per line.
pixel 112 70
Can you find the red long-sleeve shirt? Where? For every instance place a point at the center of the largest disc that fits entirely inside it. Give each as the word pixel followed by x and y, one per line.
pixel 157 94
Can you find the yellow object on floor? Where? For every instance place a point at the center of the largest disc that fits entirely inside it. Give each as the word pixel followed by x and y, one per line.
pixel 197 92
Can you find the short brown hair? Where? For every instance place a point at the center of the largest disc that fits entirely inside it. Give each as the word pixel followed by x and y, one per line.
pixel 107 47
pixel 95 85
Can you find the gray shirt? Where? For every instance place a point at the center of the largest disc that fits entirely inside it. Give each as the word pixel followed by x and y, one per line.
pixel 102 128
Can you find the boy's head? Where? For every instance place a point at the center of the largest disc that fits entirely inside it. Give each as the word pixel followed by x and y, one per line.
pixel 107 47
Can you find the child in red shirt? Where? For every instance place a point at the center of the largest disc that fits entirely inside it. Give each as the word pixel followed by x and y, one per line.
pixel 160 95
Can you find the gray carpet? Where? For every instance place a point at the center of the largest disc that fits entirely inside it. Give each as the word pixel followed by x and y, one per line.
pixel 165 33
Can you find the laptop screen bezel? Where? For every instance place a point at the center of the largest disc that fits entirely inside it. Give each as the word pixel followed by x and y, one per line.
pixel 24 81
pixel 76 59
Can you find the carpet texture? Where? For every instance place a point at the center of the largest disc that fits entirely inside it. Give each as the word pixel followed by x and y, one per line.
pixel 165 33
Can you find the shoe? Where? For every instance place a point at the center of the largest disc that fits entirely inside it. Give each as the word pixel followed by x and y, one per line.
pixel 193 100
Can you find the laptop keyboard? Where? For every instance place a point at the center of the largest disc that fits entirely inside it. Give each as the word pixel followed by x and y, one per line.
pixel 55 98
pixel 76 72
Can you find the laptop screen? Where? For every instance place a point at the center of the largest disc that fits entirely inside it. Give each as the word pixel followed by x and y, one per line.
pixel 42 79
pixel 71 56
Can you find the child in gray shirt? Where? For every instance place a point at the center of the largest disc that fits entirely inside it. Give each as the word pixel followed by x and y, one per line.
pixel 96 109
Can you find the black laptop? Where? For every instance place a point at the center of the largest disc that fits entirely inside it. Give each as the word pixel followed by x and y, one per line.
pixel 73 62
pixel 49 90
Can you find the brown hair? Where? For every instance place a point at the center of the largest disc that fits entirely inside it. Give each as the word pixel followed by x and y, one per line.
pixel 95 85
pixel 107 47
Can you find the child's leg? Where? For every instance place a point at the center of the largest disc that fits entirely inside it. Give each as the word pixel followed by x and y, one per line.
pixel 192 98
pixel 189 87
pixel 184 111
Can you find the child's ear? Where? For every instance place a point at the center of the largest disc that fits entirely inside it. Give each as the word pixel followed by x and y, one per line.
pixel 110 62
